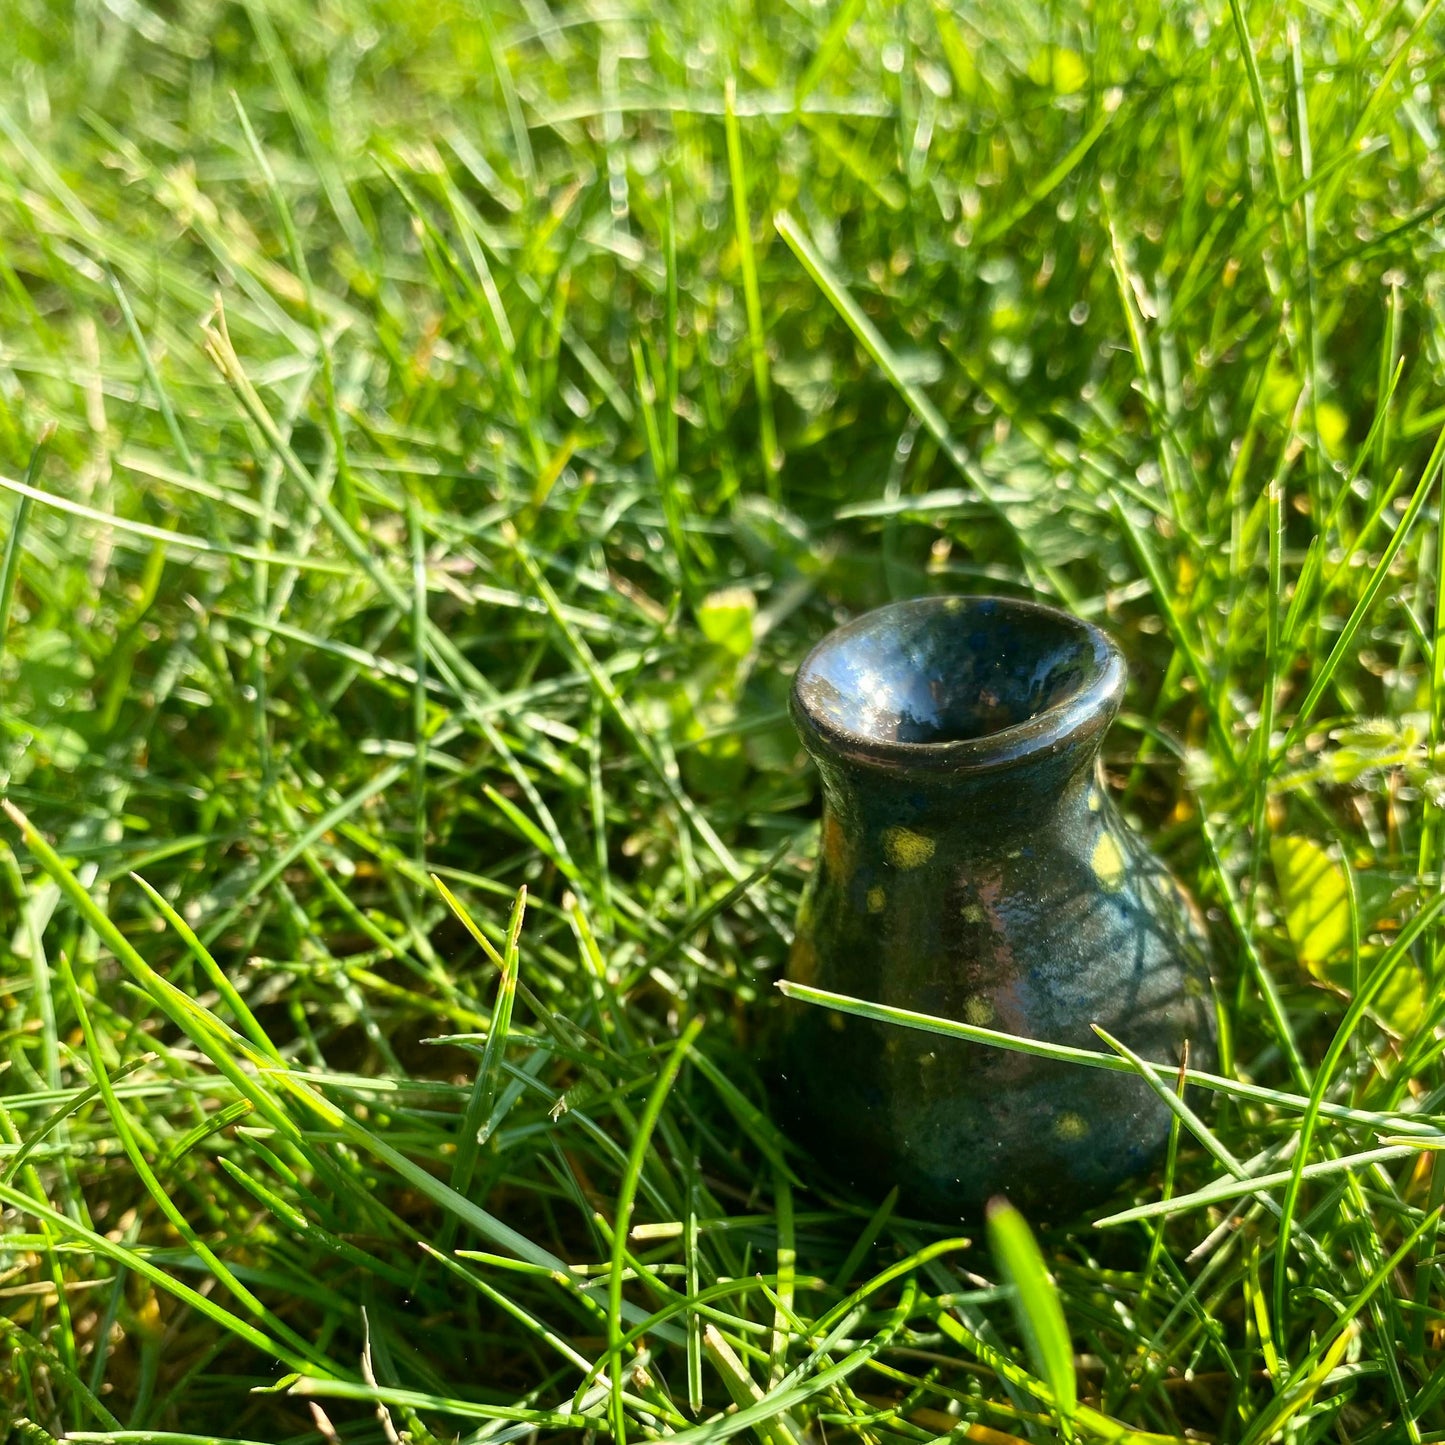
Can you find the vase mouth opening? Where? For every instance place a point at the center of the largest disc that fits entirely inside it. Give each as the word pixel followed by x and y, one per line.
pixel 957 684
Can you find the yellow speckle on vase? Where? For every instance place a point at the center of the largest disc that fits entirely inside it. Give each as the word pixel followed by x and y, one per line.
pixel 876 899
pixel 973 913
pixel 1096 800
pixel 906 849
pixel 803 959
pixel 978 1011
pixel 1014 853
pixel 1108 862
pixel 835 848
pixel 1071 1127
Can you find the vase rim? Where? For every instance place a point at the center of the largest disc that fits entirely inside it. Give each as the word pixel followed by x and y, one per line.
pixel 1066 721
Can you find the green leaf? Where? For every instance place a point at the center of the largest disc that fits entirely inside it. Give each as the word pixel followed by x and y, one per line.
pixel 1316 900
pixel 1334 427
pixel 1400 1004
pixel 1316 897
pixel 726 619
pixel 1036 1302
pixel 1063 69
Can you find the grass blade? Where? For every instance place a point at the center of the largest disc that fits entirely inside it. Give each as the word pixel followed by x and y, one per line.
pixel 1036 1304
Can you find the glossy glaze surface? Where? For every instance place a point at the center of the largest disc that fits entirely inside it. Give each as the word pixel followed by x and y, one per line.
pixel 971 867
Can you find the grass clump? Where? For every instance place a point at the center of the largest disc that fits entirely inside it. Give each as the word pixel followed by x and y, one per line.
pixel 429 435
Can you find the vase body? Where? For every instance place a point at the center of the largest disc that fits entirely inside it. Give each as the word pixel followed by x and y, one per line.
pixel 971 867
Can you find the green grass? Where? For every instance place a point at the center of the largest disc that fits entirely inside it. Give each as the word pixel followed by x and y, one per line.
pixel 429 436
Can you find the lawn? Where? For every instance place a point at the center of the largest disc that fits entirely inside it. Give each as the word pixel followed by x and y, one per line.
pixel 430 436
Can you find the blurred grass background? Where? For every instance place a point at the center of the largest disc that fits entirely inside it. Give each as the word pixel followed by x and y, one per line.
pixel 429 436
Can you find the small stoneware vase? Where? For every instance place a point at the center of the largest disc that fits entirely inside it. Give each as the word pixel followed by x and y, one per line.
pixel 972 867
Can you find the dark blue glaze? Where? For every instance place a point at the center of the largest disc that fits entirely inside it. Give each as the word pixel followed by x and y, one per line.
pixel 972 867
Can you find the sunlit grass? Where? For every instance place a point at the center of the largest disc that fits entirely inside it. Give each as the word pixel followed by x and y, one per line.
pixel 429 437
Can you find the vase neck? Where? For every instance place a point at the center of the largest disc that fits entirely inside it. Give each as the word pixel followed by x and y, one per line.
pixel 1038 793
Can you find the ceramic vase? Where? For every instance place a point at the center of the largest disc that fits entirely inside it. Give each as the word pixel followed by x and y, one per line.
pixel 972 867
